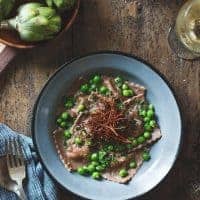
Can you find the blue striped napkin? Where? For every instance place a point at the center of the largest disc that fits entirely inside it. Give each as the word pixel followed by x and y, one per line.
pixel 38 184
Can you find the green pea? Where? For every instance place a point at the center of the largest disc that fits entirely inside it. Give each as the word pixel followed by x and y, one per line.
pixel 134 142
pixel 110 148
pixel 91 168
pixel 147 134
pixel 59 120
pixel 131 92
pixel 94 157
pixel 84 88
pixel 103 90
pixel 141 139
pixel 150 113
pixel 97 79
pixel 152 123
pixel 147 119
pixel 133 164
pixel 63 124
pixel 151 107
pixel 67 134
pixel 69 103
pixel 147 127
pixel 125 86
pixel 127 93
pixel 95 163
pixel 85 169
pixel 118 79
pixel 96 175
pixel 123 173
pixel 143 113
pixel 103 165
pixel 65 115
pixel 78 141
pixel 81 108
pixel 93 87
pixel 146 156
pixel 99 168
pixel 81 171
pixel 102 154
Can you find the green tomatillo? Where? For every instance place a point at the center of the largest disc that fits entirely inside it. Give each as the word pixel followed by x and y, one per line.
pixel 61 5
pixel 35 22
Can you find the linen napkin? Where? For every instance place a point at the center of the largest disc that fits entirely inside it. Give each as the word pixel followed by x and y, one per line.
pixel 38 185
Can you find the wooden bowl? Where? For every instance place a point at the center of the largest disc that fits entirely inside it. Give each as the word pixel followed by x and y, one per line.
pixel 12 39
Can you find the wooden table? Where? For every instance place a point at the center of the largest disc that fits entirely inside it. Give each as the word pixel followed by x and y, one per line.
pixel 116 25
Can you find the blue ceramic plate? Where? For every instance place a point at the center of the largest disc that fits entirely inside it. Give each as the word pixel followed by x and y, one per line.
pixel 163 153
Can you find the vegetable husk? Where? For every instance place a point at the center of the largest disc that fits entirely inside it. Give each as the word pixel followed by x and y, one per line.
pixel 35 22
pixel 61 5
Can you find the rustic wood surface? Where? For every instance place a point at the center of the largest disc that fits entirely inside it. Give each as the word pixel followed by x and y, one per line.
pixel 116 25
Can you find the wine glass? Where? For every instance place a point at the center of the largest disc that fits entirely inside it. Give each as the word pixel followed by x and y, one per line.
pixel 184 35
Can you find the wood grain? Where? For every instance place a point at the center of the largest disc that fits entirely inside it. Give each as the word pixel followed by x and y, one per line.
pixel 115 25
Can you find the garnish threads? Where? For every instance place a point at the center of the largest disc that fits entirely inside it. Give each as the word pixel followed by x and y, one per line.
pixel 105 122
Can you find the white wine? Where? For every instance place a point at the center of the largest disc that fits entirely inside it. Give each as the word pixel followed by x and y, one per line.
pixel 187 26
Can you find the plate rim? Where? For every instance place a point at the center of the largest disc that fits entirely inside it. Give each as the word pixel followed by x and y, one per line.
pixel 120 53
